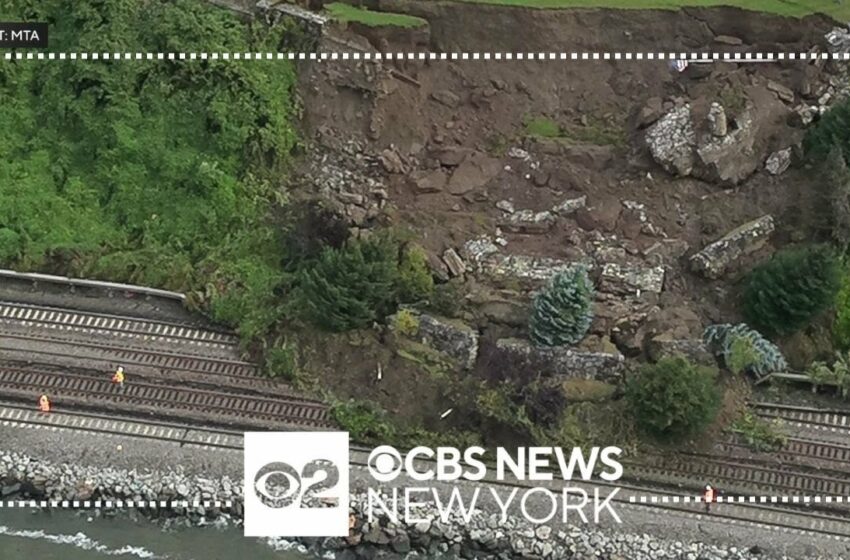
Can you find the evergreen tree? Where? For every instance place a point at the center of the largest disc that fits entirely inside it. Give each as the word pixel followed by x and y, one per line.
pixel 673 398
pixel 785 293
pixel 833 203
pixel 562 311
pixel 831 130
pixel 353 286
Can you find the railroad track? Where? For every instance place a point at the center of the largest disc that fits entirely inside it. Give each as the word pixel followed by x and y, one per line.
pixel 836 420
pixel 806 453
pixel 629 496
pixel 695 470
pixel 210 406
pixel 113 325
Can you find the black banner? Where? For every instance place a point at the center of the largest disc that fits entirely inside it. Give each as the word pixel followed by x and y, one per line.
pixel 23 35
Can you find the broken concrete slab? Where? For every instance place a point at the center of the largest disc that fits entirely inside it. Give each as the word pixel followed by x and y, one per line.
pixel 715 259
pixel 528 221
pixel 564 362
pixel 631 279
pixel 570 205
pixel 453 262
pixel 778 162
pixel 449 336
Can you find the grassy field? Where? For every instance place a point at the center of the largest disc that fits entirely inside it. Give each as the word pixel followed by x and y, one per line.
pixel 839 9
pixel 347 13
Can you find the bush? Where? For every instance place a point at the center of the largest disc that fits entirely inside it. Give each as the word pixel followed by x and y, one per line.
pixel 744 350
pixel 831 131
pixel 351 287
pixel 673 398
pixel 405 323
pixel 561 313
pixel 362 282
pixel 365 422
pixel 831 205
pixel 282 361
pixel 837 375
pixel 760 434
pixel 786 293
pixel 415 282
pixel 447 299
pixel 841 325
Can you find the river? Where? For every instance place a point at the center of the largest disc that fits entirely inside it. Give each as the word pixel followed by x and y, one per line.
pixel 66 535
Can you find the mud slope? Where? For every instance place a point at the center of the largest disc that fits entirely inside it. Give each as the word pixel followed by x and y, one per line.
pixel 462 26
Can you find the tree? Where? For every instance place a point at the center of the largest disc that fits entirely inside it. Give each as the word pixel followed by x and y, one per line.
pixel 673 398
pixel 351 287
pixel 785 293
pixel 562 313
pixel 831 206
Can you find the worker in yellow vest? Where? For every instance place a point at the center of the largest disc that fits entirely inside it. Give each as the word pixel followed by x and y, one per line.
pixel 44 404
pixel 708 497
pixel 119 376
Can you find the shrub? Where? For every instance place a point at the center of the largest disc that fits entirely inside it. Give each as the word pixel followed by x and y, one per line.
pixel 447 299
pixel 544 403
pixel 673 398
pixel 562 312
pixel 759 434
pixel 414 277
pixel 841 325
pixel 831 131
pixel 831 205
pixel 350 287
pixel 744 349
pixel 282 361
pixel 785 293
pixel 838 374
pixel 405 323
pixel 366 422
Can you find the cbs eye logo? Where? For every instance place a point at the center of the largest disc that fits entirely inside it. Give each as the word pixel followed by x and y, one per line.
pixel 385 463
pixel 278 485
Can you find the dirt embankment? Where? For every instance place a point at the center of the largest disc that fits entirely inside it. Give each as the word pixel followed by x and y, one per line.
pixel 471 27
pixel 458 150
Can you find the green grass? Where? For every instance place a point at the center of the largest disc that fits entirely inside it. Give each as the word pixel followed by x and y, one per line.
pixel 346 13
pixel 797 8
pixel 595 132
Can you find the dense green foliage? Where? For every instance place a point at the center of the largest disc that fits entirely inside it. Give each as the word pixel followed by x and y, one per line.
pixel 673 398
pixel 837 374
pixel 841 325
pixel 362 282
pixel 787 292
pixel 831 131
pixel 562 311
pixel 159 173
pixel 744 350
pixel 830 207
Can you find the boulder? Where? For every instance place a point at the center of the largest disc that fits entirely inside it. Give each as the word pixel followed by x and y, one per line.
pixel 695 350
pixel 453 262
pixel 631 279
pixel 715 259
pixel 650 112
pixel 447 98
pixel 782 92
pixel 473 173
pixel 528 221
pixel 391 161
pixel 728 40
pixel 717 122
pixel 570 205
pixel 429 181
pixel 563 362
pixel 452 156
pixel 778 162
pixel 730 159
pixel 671 141
pixel 449 336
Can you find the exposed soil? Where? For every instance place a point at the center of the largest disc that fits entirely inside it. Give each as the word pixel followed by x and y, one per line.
pixel 434 146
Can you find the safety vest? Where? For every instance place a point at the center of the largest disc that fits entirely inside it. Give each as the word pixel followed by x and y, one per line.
pixel 44 403
pixel 709 495
pixel 118 377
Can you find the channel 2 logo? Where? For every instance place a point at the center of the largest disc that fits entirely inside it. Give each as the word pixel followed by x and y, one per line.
pixel 296 484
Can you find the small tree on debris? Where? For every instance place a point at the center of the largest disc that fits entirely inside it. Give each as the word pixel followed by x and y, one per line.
pixel 673 398
pixel 562 311
pixel 787 292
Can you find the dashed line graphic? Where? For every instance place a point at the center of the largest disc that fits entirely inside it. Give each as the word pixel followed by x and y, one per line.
pixel 422 56
pixel 86 504
pixel 740 499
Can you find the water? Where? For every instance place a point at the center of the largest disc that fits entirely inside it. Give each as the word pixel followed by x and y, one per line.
pixel 67 535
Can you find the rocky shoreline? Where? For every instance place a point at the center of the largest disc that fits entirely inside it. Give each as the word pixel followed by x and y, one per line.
pixel 220 501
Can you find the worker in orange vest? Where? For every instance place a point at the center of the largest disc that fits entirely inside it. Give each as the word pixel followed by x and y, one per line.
pixel 708 496
pixel 44 404
pixel 119 376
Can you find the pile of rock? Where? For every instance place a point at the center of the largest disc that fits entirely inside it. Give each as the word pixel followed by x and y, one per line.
pixel 23 477
pixel 488 536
